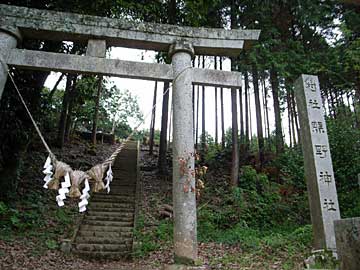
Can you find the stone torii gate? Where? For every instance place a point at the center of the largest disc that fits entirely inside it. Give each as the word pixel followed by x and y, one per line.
pixel 182 43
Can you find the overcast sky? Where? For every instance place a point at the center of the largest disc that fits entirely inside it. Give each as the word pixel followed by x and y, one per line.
pixel 144 90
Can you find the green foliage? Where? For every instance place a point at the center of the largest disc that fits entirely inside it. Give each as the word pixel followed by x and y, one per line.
pixel 51 244
pixel 344 142
pixel 151 240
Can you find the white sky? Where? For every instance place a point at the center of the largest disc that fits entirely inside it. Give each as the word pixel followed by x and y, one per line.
pixel 144 90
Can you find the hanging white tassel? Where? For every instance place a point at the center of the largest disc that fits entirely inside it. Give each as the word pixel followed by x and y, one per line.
pixel 108 178
pixel 48 172
pixel 63 190
pixel 84 197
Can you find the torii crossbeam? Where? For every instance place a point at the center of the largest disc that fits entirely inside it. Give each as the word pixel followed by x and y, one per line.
pixel 182 43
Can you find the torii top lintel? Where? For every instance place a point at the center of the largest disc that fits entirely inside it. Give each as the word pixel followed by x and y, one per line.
pixel 52 25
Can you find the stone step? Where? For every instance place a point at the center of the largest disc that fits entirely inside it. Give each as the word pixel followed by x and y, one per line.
pixel 104 207
pixel 113 197
pixel 120 178
pixel 123 173
pixel 105 228
pixel 121 218
pixel 122 188
pixel 125 190
pixel 122 192
pixel 106 223
pixel 108 213
pixel 115 204
pixel 109 255
pixel 122 235
pixel 101 247
pixel 112 200
pixel 104 240
pixel 106 231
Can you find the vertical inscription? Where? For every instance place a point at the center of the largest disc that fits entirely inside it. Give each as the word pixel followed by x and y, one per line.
pixel 319 173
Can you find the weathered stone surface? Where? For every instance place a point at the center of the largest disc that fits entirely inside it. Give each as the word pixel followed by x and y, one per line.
pixel 65 246
pixel 71 63
pixel 347 233
pixel 96 48
pixel 8 40
pixel 52 25
pixel 184 201
pixel 324 207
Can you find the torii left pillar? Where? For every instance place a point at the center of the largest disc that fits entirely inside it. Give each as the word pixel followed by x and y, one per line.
pixel 184 194
pixel 8 40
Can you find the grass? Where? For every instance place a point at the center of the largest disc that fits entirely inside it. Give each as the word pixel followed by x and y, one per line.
pixel 35 219
pixel 285 246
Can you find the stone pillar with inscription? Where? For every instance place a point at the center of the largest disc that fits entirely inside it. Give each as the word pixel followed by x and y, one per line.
pixel 324 206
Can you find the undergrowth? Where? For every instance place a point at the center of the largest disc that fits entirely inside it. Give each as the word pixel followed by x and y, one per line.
pixel 34 216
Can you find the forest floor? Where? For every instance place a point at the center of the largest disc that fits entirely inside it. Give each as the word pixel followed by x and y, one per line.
pixel 32 226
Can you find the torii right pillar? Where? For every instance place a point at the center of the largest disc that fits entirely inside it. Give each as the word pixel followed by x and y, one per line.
pixel 184 199
pixel 324 206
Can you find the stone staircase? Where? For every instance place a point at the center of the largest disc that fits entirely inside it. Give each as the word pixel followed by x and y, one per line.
pixel 106 231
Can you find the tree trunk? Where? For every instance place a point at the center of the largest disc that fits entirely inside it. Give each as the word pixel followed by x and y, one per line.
pixel 216 107
pixel 258 116
pixel 289 114
pixel 242 139
pixel 292 105
pixel 235 144
pixel 52 92
pixel 203 137
pixel 96 112
pixel 241 115
pixel 197 113
pixel 250 119
pixel 162 164
pixel 170 125
pixel 72 98
pixel 246 79
pixel 197 118
pixel 266 110
pixel 64 112
pixel 152 124
pixel 296 119
pixel 222 112
pixel 279 142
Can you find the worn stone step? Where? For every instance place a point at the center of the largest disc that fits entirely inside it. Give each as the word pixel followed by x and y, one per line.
pixel 124 190
pixel 122 218
pixel 108 213
pixel 105 228
pixel 112 200
pixel 126 171
pixel 120 192
pixel 123 186
pixel 123 179
pixel 102 247
pixel 104 240
pixel 109 255
pixel 113 194
pixel 111 204
pixel 102 209
pixel 86 233
pixel 107 223
pixel 113 197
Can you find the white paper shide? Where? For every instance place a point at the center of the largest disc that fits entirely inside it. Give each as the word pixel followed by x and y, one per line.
pixel 48 172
